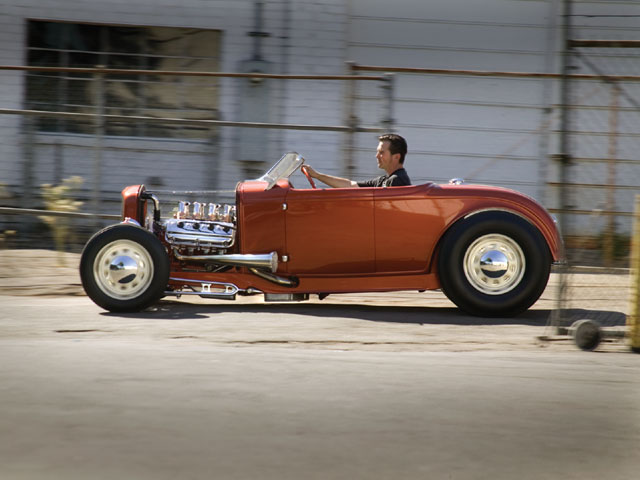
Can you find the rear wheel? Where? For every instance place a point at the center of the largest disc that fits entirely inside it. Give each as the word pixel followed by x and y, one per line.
pixel 124 268
pixel 494 264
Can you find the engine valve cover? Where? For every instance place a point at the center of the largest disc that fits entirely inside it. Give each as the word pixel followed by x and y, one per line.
pixel 200 234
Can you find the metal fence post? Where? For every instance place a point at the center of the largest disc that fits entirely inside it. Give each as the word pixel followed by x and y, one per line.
pixel 212 161
pixel 557 317
pixel 610 231
pixel 387 87
pixel 58 162
pixel 633 319
pixel 351 121
pixel 99 143
pixel 28 166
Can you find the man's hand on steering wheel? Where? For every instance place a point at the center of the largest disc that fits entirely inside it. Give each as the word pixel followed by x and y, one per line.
pixel 308 172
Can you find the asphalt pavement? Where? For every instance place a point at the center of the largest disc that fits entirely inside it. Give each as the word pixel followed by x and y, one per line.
pixel 373 386
pixel 603 298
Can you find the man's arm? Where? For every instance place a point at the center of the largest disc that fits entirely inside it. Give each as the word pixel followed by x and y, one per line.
pixel 335 182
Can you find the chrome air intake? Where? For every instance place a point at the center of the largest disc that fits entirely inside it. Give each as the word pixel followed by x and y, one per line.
pixel 214 212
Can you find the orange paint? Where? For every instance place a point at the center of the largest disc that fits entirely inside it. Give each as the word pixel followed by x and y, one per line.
pixel 353 239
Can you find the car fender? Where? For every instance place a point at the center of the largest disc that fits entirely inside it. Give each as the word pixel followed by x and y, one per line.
pixel 546 226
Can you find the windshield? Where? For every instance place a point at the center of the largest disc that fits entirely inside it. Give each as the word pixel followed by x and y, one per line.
pixel 288 164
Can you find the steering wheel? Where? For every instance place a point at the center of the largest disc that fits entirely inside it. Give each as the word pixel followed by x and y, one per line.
pixel 306 174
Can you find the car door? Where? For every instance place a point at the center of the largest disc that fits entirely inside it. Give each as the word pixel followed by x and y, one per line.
pixel 330 231
pixel 408 222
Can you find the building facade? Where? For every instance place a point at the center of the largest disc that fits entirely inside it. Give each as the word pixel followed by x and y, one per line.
pixel 490 129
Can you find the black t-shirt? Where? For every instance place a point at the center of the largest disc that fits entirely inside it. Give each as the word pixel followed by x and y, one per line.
pixel 399 178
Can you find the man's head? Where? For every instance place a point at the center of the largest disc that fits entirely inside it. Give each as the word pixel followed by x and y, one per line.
pixel 391 152
pixel 397 144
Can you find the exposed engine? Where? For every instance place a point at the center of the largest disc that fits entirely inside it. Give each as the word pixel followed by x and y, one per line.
pixel 202 228
pixel 203 233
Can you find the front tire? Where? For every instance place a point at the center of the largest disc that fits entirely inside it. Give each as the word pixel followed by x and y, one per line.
pixel 494 264
pixel 124 268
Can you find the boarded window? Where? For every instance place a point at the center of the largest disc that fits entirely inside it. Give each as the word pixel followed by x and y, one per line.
pixel 61 44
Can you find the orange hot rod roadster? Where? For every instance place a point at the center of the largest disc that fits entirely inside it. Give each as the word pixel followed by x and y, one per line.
pixel 489 249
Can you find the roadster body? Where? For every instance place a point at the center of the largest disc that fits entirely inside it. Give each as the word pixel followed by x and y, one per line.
pixel 489 249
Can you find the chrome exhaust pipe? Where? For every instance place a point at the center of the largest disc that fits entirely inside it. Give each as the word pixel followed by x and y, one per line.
pixel 286 282
pixel 267 261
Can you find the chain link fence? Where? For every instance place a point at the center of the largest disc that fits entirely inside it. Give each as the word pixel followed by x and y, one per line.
pixel 86 132
pixel 61 133
pixel 598 177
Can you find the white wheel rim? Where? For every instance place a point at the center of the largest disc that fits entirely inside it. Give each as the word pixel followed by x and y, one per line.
pixel 123 269
pixel 494 264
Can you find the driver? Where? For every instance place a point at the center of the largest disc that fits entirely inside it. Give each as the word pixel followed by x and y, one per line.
pixel 390 155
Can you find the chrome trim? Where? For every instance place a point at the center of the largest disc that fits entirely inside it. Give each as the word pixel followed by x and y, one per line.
pixel 123 269
pixel 228 213
pixel 198 211
pixel 199 233
pixel 215 296
pixel 286 297
pixel 283 168
pixel 156 202
pixel 213 212
pixel 494 264
pixel 183 210
pixel 286 282
pixel 229 290
pixel 198 241
pixel 265 261
pixel 131 221
pixel 507 210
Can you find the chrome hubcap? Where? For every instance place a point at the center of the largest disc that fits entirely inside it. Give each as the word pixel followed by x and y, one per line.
pixel 494 264
pixel 123 269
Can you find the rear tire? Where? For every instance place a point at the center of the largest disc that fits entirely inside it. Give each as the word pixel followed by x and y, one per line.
pixel 124 268
pixel 494 264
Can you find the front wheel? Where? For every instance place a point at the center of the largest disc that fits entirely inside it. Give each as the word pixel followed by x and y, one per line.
pixel 124 268
pixel 494 264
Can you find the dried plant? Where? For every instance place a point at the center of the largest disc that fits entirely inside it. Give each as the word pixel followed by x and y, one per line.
pixel 58 198
pixel 4 237
pixel 6 234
